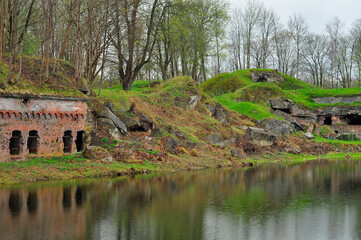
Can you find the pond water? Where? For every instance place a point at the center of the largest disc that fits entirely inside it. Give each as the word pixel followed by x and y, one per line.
pixel 313 200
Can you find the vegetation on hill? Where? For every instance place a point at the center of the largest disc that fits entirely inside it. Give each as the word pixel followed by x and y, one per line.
pixel 238 92
pixel 61 81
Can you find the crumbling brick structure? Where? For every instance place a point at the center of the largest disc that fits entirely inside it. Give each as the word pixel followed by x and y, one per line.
pixel 40 126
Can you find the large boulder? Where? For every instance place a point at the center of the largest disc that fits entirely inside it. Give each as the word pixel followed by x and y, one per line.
pixel 284 104
pixel 132 123
pixel 260 136
pixel 171 145
pixel 279 127
pixel 108 125
pixel 145 122
pixel 292 120
pixel 217 111
pixel 107 114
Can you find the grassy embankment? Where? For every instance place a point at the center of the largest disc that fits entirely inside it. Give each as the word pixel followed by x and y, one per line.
pixel 237 92
pixel 167 105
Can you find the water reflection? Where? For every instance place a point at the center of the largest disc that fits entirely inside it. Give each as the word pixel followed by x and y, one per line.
pixel 314 200
pixel 32 201
pixel 66 198
pixel 79 196
pixel 15 203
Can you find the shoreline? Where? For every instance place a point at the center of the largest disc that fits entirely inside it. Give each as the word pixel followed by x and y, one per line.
pixel 76 167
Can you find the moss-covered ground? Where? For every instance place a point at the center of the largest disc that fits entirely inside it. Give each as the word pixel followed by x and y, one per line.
pixel 60 83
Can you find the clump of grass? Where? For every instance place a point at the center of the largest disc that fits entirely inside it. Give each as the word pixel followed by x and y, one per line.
pixel 259 93
pixel 224 83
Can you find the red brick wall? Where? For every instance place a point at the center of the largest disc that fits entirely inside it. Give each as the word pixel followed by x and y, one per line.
pixel 50 117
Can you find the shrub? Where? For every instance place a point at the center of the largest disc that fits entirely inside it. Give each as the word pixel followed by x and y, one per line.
pixel 326 132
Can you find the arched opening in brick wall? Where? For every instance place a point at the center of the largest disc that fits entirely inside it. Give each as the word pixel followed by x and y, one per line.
pixel 67 140
pixel 33 142
pixel 328 121
pixel 353 119
pixel 79 142
pixel 15 143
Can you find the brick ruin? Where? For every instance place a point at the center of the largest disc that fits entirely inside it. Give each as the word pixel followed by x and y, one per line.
pixel 342 119
pixel 41 126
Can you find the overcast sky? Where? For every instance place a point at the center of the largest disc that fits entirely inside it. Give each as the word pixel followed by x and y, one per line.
pixel 316 12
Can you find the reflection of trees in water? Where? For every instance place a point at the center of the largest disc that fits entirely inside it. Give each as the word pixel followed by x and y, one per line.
pixel 174 206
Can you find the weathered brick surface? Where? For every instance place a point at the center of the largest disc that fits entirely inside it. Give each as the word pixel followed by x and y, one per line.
pixel 51 117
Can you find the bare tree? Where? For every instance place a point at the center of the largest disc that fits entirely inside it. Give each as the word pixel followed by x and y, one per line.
pixel 315 55
pixel 299 29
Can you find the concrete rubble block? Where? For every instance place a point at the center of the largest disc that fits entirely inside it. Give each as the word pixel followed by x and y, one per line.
pixel 289 118
pixel 279 127
pixel 281 103
pixel 308 135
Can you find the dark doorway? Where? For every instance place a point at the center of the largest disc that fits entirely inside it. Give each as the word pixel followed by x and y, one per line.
pixel 328 121
pixel 15 143
pixel 33 142
pixel 79 141
pixel 354 119
pixel 67 140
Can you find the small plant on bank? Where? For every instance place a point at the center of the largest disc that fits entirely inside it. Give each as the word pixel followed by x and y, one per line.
pixel 105 140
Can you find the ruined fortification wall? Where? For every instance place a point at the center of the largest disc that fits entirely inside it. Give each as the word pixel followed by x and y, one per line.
pixel 47 118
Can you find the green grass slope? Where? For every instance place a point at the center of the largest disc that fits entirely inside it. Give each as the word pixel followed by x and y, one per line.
pixel 238 92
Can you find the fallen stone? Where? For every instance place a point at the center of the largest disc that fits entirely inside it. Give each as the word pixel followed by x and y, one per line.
pixel 109 105
pixel 217 112
pixel 193 102
pixel 171 145
pixel 106 113
pixel 213 139
pixel 260 136
pixel 235 153
pixel 279 127
pixel 108 125
pixel 308 135
pixel 145 122
pixel 131 123
pixel 292 120
pixel 284 104
pixel 293 148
